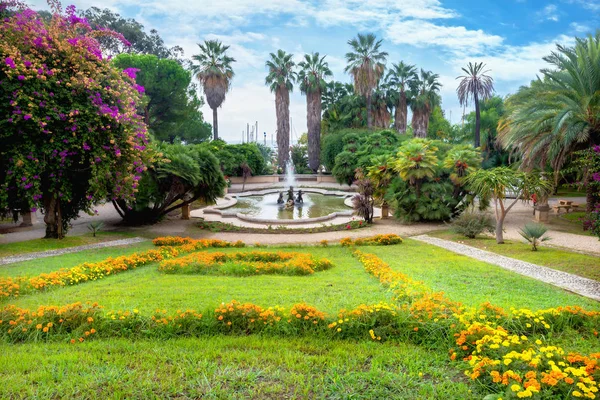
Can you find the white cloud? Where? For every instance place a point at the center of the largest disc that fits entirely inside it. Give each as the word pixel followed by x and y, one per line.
pixel 550 13
pixel 453 38
pixel 580 28
pixel 593 5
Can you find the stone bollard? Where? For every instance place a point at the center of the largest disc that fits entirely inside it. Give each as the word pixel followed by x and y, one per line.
pixel 185 212
pixel 28 219
pixel 542 213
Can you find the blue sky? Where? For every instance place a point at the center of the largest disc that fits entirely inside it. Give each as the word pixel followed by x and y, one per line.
pixel 510 36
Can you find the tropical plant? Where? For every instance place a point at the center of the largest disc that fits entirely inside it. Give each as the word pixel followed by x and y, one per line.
pixel 416 160
pixel 184 174
pixel 280 79
pixel 214 71
pixel 400 78
pixel 425 88
pixel 312 74
pixel 472 223
pixel 560 112
pixel 461 161
pixel 381 173
pixel 497 183
pixel 232 156
pixel 364 201
pixel 95 227
pixel 70 132
pixel 366 64
pixel 381 105
pixel 534 234
pixel 475 86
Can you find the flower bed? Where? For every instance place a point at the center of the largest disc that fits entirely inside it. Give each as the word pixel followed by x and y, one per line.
pixel 245 264
pixel 377 240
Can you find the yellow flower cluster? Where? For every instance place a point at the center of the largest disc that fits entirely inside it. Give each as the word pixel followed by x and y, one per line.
pixel 247 263
pixel 377 240
pixel 197 243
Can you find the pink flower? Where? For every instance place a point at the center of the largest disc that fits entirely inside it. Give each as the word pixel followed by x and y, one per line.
pixel 10 62
pixel 21 77
pixel 27 116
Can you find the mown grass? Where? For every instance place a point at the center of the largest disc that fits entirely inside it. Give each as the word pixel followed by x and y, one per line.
pixel 29 246
pixel 575 263
pixel 473 282
pixel 346 285
pixel 225 367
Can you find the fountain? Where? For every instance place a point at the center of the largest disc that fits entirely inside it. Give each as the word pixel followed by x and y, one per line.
pixel 290 181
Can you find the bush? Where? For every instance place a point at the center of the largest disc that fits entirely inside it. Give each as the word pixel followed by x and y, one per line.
pixel 232 156
pixel 471 224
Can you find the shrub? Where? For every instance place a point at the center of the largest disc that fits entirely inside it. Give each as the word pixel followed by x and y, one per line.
pixel 471 224
pixel 534 234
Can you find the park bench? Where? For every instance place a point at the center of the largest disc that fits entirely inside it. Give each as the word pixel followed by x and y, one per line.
pixel 566 205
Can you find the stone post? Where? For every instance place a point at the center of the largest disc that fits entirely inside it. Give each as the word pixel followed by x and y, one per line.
pixel 385 211
pixel 185 212
pixel 28 219
pixel 542 212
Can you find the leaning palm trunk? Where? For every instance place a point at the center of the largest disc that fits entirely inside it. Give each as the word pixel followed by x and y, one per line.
pixel 313 112
pixel 401 114
pixel 282 111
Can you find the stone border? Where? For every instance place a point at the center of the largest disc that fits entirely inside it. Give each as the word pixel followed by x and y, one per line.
pixel 574 283
pixel 67 250
pixel 221 209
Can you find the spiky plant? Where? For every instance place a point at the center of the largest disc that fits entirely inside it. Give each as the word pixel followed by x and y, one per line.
pixel 214 71
pixel 475 86
pixel 400 78
pixel 313 71
pixel 95 226
pixel 281 79
pixel 534 234
pixel 366 64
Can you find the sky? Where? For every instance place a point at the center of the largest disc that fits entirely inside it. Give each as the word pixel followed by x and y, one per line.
pixel 510 36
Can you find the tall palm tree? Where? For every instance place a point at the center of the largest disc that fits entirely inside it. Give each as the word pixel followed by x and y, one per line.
pixel 214 71
pixel 425 88
pixel 312 74
pixel 559 113
pixel 401 77
pixel 476 86
pixel 366 64
pixel 280 79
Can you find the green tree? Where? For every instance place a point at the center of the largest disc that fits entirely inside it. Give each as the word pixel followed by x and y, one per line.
pixel 65 147
pixel 312 74
pixel 214 71
pixel 439 127
pixel 366 64
pixel 280 79
pixel 559 113
pixel 171 108
pixel 184 174
pixel 425 88
pixel 497 183
pixel 475 86
pixel 416 160
pixel 401 77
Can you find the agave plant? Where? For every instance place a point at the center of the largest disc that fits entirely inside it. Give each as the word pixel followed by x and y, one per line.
pixel 95 226
pixel 534 234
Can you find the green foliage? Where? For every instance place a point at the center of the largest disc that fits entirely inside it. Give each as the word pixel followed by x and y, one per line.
pixel 461 161
pixel 342 109
pixel 470 224
pixel 95 226
pixel 232 156
pixel 416 160
pixel 300 159
pixel 183 175
pixel 439 127
pixel 534 234
pixel 345 165
pixel 171 107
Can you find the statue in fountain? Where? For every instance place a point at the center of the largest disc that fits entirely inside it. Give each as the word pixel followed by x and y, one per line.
pixel 299 198
pixel 290 195
pixel 280 199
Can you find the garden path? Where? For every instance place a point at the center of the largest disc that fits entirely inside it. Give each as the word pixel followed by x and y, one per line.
pixel 574 283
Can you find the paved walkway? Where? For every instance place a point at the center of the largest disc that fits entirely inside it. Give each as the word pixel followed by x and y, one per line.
pixel 574 283
pixel 75 249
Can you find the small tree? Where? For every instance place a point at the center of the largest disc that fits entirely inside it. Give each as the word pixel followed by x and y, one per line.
pixel 381 174
pixel 363 202
pixel 496 183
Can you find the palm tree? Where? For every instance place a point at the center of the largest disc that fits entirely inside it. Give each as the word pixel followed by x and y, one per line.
pixel 380 106
pixel 475 85
pixel 401 77
pixel 425 87
pixel 416 161
pixel 214 73
pixel 313 71
pixel 559 113
pixel 366 64
pixel 281 80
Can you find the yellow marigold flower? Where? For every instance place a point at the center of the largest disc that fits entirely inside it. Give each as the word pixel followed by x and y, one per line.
pixel 38 326
pixel 577 394
pixel 515 388
pixel 339 329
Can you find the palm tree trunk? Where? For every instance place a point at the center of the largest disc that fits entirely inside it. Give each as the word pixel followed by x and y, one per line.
pixel 313 113
pixel 401 115
pixel 477 121
pixel 215 124
pixel 369 122
pixel 282 111
pixel 416 120
pixel 425 123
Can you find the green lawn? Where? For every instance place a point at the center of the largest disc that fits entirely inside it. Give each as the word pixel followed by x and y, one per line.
pixel 29 246
pixel 473 282
pixel 225 367
pixel 575 263
pixel 344 286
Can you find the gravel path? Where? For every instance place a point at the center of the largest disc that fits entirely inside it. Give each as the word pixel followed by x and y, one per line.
pixel 574 283
pixel 58 252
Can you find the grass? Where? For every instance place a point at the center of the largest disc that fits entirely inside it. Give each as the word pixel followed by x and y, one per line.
pixel 29 246
pixel 473 282
pixel 567 191
pixel 217 226
pixel 346 285
pixel 228 368
pixel 584 265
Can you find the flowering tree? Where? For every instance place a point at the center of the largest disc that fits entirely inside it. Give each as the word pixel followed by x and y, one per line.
pixel 69 129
